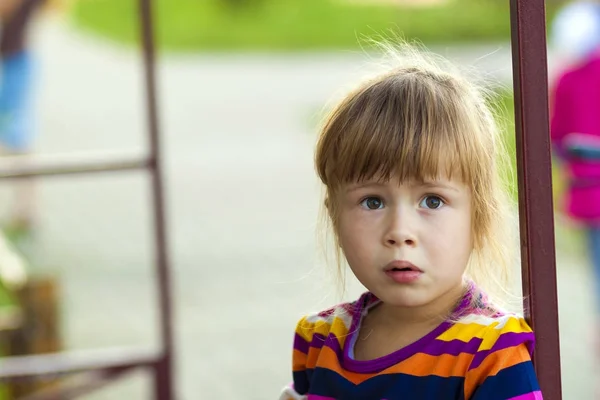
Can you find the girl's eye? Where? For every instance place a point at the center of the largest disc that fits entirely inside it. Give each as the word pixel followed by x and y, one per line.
pixel 372 203
pixel 432 202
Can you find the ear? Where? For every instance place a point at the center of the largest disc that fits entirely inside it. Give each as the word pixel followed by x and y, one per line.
pixel 327 203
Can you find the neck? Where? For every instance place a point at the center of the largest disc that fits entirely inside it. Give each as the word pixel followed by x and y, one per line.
pixel 432 313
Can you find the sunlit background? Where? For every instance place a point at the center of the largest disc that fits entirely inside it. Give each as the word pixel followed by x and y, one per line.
pixel 242 85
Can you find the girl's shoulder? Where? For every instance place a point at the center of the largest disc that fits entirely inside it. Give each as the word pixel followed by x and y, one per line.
pixel 494 324
pixel 322 332
pixel 499 348
pixel 335 320
pixel 480 321
pixel 490 330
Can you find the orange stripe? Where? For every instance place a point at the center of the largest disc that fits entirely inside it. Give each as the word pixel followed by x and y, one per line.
pixel 298 361
pixel 329 360
pixel 419 365
pixel 445 365
pixel 501 359
pixel 314 356
pixel 493 364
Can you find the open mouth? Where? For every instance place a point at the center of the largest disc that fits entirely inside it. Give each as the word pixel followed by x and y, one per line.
pixel 401 266
pixel 403 272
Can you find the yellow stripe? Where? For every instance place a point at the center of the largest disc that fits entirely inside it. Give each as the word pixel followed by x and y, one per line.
pixel 491 331
pixel 463 332
pixel 513 325
pixel 335 325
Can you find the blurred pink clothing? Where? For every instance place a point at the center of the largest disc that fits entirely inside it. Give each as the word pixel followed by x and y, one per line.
pixel 576 109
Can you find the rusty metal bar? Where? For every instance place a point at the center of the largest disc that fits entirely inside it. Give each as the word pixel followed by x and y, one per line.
pixel 22 367
pixel 163 374
pixel 73 387
pixel 18 167
pixel 79 385
pixel 530 77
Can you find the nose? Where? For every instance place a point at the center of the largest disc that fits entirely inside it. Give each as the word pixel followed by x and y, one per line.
pixel 401 228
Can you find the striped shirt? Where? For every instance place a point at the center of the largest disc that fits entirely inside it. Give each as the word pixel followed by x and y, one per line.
pixel 482 355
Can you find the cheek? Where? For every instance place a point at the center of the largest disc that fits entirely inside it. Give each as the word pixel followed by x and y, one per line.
pixel 347 231
pixel 353 234
pixel 454 235
pixel 463 239
pixel 463 232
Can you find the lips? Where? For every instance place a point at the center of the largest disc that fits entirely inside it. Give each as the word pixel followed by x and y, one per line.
pixel 403 272
pixel 399 266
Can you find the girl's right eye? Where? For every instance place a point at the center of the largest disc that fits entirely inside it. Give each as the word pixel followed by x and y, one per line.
pixel 372 203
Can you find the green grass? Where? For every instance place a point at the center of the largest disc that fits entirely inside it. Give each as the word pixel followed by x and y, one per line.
pixel 193 25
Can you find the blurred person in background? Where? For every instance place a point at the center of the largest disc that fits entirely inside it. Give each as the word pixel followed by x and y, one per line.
pixel 575 30
pixel 575 121
pixel 16 103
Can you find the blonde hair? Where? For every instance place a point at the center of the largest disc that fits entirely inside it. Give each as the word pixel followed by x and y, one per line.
pixel 418 119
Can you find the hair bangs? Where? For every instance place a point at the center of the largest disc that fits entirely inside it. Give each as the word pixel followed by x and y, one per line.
pixel 405 132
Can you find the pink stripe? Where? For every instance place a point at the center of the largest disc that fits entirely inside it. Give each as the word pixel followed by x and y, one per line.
pixel 529 396
pixel 317 397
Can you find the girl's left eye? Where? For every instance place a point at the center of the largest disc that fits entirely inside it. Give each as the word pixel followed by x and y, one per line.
pixel 372 203
pixel 432 202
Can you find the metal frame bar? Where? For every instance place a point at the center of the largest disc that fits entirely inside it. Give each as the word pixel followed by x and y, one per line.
pixel 163 377
pixel 32 366
pixel 77 385
pixel 104 364
pixel 19 167
pixel 528 33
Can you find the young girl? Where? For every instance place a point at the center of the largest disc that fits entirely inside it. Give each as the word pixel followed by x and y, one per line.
pixel 409 161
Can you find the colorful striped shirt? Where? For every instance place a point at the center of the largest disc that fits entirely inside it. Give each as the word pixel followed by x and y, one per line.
pixel 481 355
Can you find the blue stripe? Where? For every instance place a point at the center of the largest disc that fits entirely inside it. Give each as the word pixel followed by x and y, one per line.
pixel 510 382
pixel 325 382
pixel 302 381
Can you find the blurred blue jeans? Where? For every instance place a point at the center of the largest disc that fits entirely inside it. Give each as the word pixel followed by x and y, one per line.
pixel 16 116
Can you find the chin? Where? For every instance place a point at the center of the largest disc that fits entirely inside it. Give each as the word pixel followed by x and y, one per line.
pixel 405 298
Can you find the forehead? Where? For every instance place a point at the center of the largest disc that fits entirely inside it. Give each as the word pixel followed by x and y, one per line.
pixel 442 182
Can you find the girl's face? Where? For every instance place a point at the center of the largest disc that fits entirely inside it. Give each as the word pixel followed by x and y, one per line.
pixel 407 243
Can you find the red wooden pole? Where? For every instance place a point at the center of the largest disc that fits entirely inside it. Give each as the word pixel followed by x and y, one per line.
pixel 528 31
